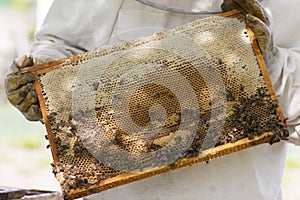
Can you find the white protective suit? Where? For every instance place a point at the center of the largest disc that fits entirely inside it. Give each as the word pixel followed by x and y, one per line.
pixel 256 173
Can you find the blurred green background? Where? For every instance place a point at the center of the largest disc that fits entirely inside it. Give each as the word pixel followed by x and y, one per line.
pixel 24 159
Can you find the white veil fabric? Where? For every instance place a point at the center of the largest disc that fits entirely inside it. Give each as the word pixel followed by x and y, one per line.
pixel 185 7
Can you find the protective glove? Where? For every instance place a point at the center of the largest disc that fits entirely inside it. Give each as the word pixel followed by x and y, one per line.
pixel 259 22
pixel 20 90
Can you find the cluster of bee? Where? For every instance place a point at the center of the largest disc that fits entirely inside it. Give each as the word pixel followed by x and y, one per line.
pixel 68 144
pixel 251 116
pixel 63 132
pixel 257 114
pixel 72 177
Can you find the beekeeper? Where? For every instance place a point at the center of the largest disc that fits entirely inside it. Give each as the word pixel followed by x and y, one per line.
pixel 73 27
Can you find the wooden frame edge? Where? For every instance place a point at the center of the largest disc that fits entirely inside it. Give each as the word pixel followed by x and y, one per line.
pixel 45 117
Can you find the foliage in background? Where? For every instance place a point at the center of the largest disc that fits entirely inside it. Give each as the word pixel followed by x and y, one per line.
pixel 17 131
pixel 17 34
pixel 21 5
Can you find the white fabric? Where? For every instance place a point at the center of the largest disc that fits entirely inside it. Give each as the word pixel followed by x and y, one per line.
pixel 74 26
pixel 294 138
pixel 284 72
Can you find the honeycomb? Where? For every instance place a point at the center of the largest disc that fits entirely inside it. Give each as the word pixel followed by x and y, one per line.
pixel 130 111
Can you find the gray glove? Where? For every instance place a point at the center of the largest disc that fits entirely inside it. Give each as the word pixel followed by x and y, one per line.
pixel 20 90
pixel 258 21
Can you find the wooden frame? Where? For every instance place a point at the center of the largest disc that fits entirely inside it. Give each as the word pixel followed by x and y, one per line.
pixel 130 177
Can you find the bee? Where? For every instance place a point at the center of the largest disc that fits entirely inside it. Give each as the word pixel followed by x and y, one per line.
pixel 95 86
pixel 155 94
pixel 207 162
pixel 231 138
pixel 242 87
pixel 220 62
pixel 138 105
pixel 229 95
pixel 285 120
pixel 57 141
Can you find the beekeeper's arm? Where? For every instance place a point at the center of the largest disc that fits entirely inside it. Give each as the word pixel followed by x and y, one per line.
pixel 70 28
pixel 283 64
pixel 286 67
pixel 284 74
pixel 73 27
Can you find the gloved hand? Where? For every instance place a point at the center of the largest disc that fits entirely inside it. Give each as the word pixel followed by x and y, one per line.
pixel 20 90
pixel 259 22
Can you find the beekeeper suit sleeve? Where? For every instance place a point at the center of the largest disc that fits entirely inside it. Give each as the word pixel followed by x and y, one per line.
pixel 284 72
pixel 76 28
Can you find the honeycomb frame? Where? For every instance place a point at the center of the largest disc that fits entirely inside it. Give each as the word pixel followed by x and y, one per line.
pixel 62 169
